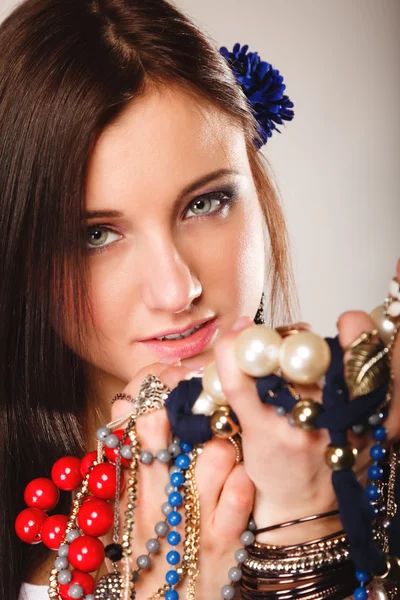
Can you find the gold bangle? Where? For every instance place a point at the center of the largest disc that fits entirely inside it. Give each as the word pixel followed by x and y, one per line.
pixel 329 541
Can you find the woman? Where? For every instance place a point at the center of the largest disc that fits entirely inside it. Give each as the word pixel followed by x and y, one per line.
pixel 134 205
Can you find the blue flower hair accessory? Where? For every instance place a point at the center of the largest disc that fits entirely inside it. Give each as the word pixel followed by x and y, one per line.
pixel 264 89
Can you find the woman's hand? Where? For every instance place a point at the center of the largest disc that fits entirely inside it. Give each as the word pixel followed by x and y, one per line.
pixel 225 491
pixel 286 464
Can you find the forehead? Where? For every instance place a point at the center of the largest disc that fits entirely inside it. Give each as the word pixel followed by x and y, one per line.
pixel 164 138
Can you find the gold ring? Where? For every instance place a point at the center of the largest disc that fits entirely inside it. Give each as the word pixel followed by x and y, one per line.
pixel 152 395
pixel 286 330
pixel 236 441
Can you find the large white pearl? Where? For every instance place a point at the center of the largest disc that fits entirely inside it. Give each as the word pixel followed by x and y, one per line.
pixel 212 385
pixel 394 289
pixel 394 309
pixel 257 350
pixel 386 328
pixel 204 405
pixel 304 357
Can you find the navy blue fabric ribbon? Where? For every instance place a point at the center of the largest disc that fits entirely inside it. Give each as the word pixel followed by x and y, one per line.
pixel 354 509
pixel 190 428
pixel 337 417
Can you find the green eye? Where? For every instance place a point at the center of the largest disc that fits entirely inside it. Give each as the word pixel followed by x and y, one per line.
pixel 209 203
pixel 201 206
pixel 99 235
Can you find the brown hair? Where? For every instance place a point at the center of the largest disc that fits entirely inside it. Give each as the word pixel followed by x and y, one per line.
pixel 67 69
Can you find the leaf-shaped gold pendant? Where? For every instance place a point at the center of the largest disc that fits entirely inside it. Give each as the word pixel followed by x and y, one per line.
pixel 367 369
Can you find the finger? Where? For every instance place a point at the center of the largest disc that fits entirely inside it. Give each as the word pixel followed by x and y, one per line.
pixel 235 504
pixel 218 459
pixel 302 325
pixel 239 388
pixel 154 435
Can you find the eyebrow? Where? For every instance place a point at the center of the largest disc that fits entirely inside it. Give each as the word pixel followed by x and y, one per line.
pixel 192 187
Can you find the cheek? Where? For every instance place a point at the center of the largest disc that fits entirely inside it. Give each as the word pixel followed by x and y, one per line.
pixel 231 264
pixel 112 293
pixel 250 250
pixel 110 297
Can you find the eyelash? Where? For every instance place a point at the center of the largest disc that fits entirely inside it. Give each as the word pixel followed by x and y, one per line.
pixel 225 197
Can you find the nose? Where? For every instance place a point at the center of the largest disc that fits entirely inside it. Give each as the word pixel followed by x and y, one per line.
pixel 168 283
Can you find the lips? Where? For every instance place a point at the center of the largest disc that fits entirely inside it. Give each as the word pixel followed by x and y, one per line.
pixel 196 343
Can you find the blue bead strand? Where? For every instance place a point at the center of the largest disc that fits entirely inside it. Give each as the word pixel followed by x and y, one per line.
pixel 175 499
pixel 361 593
pixel 375 473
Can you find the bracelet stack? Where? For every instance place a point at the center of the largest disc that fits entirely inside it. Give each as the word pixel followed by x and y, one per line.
pixel 318 569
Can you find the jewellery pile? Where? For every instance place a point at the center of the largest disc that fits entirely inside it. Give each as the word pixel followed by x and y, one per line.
pixel 353 400
pixel 97 479
pixel 197 410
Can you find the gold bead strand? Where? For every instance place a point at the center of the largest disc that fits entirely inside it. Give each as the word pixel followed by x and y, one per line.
pixel 192 545
pixel 116 528
pixel 128 585
pixel 192 535
pixel 77 502
pixel 391 505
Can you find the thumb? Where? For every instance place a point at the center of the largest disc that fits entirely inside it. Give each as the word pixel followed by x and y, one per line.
pixel 351 325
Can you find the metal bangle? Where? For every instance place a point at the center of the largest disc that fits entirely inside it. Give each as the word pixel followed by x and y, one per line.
pixel 300 565
pixel 331 513
pixel 330 583
pixel 272 551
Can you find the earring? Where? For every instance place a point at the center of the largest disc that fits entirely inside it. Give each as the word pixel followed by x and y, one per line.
pixel 259 318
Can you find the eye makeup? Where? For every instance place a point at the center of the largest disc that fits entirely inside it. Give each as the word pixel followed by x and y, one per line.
pixel 218 202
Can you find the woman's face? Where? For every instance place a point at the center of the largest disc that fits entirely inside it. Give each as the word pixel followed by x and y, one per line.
pixel 173 256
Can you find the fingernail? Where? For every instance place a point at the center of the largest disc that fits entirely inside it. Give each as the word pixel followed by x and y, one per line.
pixel 170 360
pixel 241 323
pixel 198 373
pixel 193 363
